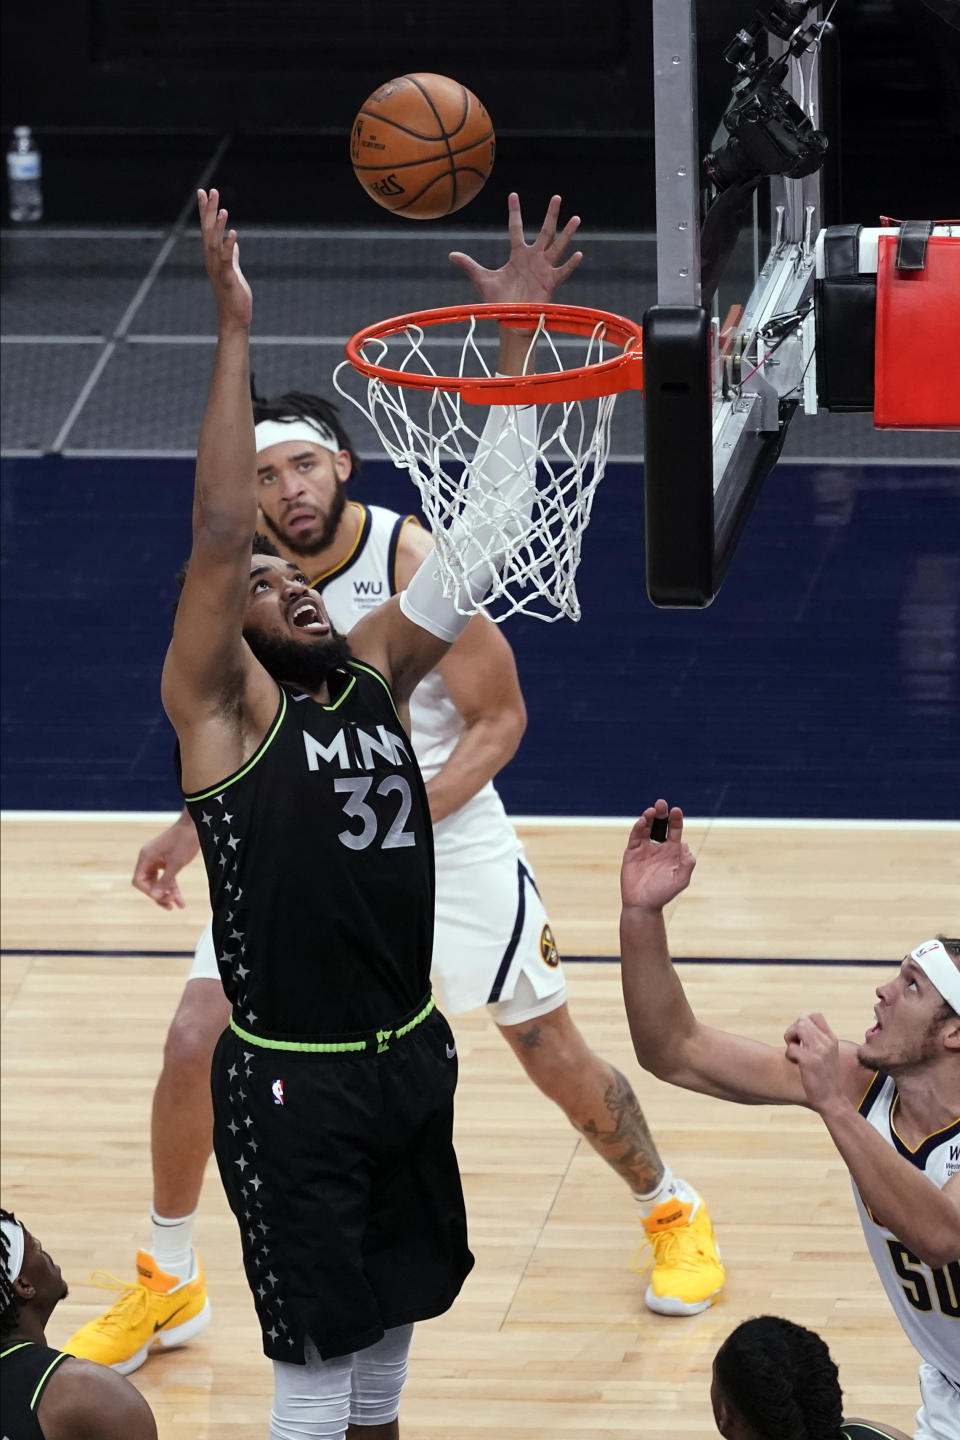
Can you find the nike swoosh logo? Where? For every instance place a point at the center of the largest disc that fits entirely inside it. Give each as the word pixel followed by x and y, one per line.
pixel 451 1051
pixel 164 1323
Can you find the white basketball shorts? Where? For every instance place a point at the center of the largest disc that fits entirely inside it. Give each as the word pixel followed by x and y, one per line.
pixel 939 1415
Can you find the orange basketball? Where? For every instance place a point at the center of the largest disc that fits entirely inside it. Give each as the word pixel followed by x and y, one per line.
pixel 422 146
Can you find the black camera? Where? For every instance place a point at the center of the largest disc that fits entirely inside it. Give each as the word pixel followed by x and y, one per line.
pixel 768 133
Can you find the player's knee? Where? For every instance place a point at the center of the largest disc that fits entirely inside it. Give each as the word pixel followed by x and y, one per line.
pixel 552 1054
pixel 191 1038
pixel 311 1401
pixel 379 1375
pixel 321 1421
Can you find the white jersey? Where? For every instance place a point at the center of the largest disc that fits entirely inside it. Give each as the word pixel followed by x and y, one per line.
pixel 360 583
pixel 492 941
pixel 926 1302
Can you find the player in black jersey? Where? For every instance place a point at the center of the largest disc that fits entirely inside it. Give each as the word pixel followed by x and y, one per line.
pixel 47 1394
pixel 774 1380
pixel 333 1083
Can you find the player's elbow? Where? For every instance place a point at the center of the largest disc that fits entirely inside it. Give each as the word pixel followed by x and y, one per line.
pixel 513 726
pixel 219 531
pixel 661 1044
pixel 662 1061
pixel 942 1248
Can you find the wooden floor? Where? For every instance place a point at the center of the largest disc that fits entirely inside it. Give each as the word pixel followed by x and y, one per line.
pixel 550 1337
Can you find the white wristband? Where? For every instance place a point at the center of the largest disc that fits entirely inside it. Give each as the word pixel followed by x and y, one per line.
pixel 425 604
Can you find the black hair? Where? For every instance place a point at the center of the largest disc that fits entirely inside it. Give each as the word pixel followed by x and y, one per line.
pixel 780 1380
pixel 300 406
pixel 9 1308
pixel 261 546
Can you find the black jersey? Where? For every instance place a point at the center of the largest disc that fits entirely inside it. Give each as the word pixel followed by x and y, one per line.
pixel 319 854
pixel 27 1368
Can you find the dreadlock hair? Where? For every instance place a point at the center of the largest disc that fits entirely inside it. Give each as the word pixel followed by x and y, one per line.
pixel 297 405
pixel 261 546
pixel 9 1309
pixel 952 948
pixel 781 1381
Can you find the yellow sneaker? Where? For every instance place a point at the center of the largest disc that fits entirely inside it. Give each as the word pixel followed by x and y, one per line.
pixel 687 1274
pixel 155 1310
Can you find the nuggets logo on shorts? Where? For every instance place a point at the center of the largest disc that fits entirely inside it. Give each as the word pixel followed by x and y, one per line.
pixel 549 953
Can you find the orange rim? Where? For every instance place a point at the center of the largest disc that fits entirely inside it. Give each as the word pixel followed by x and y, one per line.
pixel 582 382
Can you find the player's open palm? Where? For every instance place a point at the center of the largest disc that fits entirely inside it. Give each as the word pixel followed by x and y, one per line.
pixel 654 873
pixel 532 272
pixel 221 255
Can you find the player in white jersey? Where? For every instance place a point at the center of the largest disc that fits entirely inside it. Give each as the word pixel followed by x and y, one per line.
pixel 492 944
pixel 485 887
pixel 891 1105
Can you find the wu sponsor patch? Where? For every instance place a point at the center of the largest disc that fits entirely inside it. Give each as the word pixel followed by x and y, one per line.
pixel 549 953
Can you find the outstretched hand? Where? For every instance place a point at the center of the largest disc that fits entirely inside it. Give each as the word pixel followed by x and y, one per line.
pixel 812 1046
pixel 221 255
pixel 532 272
pixel 652 874
pixel 161 860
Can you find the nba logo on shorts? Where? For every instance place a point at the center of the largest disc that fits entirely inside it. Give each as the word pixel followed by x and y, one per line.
pixel 277 1088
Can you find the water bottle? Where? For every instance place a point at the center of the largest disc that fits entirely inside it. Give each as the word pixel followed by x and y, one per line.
pixel 23 176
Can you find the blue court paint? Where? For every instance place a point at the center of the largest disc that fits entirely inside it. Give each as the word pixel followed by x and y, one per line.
pixel 822 682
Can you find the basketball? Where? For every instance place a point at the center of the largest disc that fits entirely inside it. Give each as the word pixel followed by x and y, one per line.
pixel 422 146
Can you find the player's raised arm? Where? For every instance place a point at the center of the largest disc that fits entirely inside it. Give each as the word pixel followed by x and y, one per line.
pixel 408 636
pixel 480 676
pixel 530 274
pixel 206 654
pixel 213 690
pixel 668 1038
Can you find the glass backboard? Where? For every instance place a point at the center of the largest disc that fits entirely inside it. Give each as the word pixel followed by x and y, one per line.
pixel 739 149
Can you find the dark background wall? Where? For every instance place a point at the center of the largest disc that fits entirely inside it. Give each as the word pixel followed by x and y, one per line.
pixel 132 91
pixel 824 680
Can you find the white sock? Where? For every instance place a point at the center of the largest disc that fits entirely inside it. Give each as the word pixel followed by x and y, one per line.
pixel 173 1245
pixel 669 1188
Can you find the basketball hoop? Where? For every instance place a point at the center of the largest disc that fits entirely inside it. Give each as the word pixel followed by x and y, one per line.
pixel 421 416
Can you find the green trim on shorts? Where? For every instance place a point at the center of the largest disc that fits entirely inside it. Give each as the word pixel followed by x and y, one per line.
pixel 330 1047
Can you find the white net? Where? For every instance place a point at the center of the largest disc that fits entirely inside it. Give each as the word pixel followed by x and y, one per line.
pixel 444 443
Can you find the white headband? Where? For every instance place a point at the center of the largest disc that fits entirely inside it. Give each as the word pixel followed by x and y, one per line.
pixel 275 432
pixel 935 961
pixel 14 1233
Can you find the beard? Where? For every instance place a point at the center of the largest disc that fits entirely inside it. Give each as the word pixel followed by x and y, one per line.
pixel 308 664
pixel 904 1061
pixel 328 528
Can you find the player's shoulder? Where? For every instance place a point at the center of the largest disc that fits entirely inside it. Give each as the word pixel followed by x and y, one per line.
pixel 413 536
pixel 80 1393
pixel 413 544
pixel 868 1430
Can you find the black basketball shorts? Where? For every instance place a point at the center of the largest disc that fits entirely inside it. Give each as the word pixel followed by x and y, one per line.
pixel 341 1172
